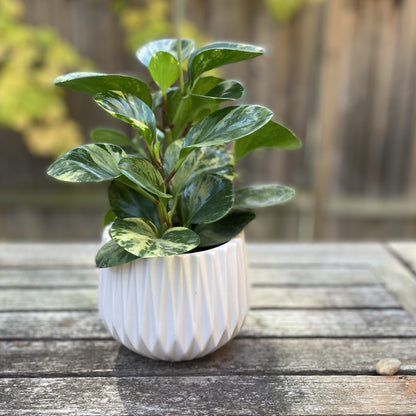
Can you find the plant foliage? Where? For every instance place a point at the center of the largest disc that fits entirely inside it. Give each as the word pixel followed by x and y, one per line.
pixel 171 185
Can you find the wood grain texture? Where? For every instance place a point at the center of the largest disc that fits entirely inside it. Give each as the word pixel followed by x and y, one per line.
pixel 48 277
pixel 323 316
pixel 268 275
pixel 261 297
pixel 358 254
pixel 259 323
pixel 236 395
pixel 400 281
pixel 44 255
pixel 406 251
pixel 241 356
pixel 35 255
pixel 310 275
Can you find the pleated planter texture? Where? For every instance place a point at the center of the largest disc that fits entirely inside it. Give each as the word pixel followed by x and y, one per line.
pixel 179 307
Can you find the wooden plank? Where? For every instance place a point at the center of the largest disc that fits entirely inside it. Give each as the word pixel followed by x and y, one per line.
pixel 47 255
pixel 48 299
pixel 44 255
pixel 241 356
pixel 328 323
pixel 49 277
pixel 401 282
pixel 316 297
pixel 237 395
pixel 406 251
pixel 261 297
pixel 310 276
pixel 358 254
pixel 260 323
pixel 272 275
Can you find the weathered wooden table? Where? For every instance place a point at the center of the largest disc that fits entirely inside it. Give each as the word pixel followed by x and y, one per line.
pixel 322 316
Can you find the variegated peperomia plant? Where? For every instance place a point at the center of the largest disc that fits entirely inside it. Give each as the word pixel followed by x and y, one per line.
pixel 171 187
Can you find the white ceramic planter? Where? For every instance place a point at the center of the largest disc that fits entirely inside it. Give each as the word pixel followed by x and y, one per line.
pixel 178 307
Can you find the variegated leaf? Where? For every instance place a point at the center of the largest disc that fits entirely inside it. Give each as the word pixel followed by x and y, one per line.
pixel 94 83
pixel 214 159
pixel 139 237
pixel 204 84
pixel 145 53
pixel 225 229
pixel 129 109
pixel 104 135
pixel 207 198
pixel 144 174
pixel 88 163
pixel 259 196
pixel 111 254
pixel 207 103
pixel 218 54
pixel 126 202
pixel 271 135
pixel 227 124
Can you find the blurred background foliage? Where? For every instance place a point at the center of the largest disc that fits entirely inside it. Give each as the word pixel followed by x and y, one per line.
pixel 283 10
pixel 30 57
pixel 152 19
pixel 340 73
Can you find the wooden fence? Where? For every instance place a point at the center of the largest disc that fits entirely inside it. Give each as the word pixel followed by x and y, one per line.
pixel 340 73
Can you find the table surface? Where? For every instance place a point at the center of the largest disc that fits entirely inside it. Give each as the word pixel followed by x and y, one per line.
pixel 322 316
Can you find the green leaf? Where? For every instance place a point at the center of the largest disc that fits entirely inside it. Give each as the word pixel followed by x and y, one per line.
pixel 225 229
pixel 214 159
pixel 271 135
pixel 111 254
pixel 204 84
pixel 126 202
pixel 227 124
pixel 164 69
pixel 144 174
pixel 103 135
pixel 204 104
pixel 207 199
pixel 109 217
pixel 226 90
pixel 139 237
pixel 145 53
pixel 218 54
pixel 259 196
pixel 95 83
pixel 130 109
pixel 88 163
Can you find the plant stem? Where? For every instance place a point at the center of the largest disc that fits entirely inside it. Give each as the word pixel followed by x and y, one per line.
pixel 164 112
pixel 181 81
pixel 170 176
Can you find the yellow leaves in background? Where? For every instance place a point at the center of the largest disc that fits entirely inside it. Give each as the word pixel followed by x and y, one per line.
pixel 151 19
pixel 54 137
pixel 30 58
pixel 285 9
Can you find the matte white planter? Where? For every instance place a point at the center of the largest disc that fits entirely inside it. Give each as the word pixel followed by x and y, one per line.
pixel 178 307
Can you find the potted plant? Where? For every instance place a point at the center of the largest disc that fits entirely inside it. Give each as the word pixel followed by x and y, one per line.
pixel 173 271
